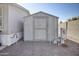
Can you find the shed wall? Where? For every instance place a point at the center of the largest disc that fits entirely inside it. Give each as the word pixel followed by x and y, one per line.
pixel 52 27
pixel 28 29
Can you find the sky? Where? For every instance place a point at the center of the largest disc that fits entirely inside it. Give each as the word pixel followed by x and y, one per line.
pixel 64 11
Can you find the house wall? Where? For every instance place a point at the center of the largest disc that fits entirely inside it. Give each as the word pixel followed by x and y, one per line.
pixel 4 27
pixel 15 18
pixel 72 30
pixel 14 24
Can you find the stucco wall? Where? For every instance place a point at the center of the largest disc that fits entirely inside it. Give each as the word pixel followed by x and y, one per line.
pixel 72 31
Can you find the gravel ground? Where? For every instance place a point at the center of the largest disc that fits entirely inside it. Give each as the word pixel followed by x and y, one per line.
pixel 22 48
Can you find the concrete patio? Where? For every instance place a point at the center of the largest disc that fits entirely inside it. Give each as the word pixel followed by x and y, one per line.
pixel 22 48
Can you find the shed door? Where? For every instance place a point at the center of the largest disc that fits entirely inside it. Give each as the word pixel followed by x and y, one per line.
pixel 40 28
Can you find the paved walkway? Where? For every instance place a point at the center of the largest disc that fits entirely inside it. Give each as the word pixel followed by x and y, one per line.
pixel 22 48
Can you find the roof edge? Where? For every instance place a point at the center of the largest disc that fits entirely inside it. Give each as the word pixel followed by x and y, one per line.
pixel 41 12
pixel 19 6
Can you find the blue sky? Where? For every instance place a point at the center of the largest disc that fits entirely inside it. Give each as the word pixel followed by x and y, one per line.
pixel 63 10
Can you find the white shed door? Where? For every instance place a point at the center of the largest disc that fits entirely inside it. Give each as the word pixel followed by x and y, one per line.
pixel 40 27
pixel 40 35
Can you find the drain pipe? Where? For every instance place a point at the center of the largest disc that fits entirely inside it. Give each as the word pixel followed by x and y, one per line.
pixel 66 29
pixel 0 38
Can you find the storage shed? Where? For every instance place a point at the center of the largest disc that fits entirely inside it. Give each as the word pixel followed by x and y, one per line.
pixel 40 26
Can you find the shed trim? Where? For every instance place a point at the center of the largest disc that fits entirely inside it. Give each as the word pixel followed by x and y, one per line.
pixel 41 12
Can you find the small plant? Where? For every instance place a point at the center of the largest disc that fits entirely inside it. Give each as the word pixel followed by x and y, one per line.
pixel 64 45
pixel 69 19
pixel 74 18
pixel 61 22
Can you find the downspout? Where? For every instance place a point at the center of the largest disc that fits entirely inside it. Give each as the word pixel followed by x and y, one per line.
pixel 66 29
pixel 0 38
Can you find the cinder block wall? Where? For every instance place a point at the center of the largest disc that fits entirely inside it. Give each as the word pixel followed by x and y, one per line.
pixel 72 31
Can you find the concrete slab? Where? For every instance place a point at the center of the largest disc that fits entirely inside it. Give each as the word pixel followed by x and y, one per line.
pixel 22 48
pixel 2 47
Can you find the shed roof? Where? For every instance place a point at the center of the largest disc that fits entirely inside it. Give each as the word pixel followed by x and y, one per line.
pixel 42 13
